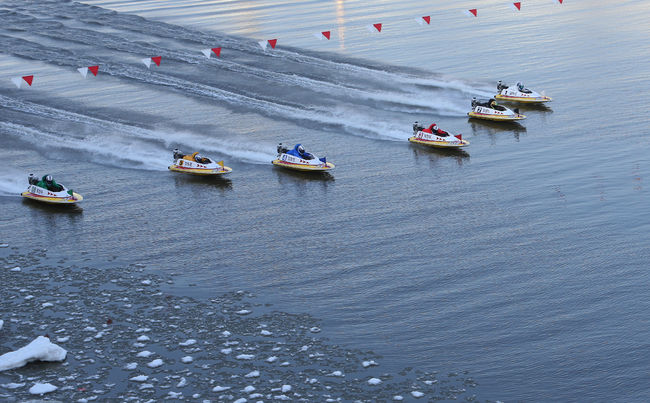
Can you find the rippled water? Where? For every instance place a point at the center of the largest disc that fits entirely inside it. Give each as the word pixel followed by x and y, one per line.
pixel 521 260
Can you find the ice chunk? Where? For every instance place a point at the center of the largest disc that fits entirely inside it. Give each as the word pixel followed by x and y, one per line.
pixel 374 381
pixel 252 374
pixel 245 357
pixel 417 394
pixel 139 378
pixel 220 388
pixel 187 343
pixel 42 388
pixel 155 363
pixel 41 349
pixel 187 359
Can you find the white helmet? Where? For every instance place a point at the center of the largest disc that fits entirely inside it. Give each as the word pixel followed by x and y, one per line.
pixel 301 149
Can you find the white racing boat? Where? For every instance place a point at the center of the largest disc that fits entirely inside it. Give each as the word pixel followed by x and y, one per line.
pixel 195 164
pixel 46 190
pixel 519 93
pixel 490 110
pixel 435 137
pixel 298 159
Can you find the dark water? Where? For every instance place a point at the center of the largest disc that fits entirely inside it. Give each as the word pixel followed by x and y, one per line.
pixel 522 260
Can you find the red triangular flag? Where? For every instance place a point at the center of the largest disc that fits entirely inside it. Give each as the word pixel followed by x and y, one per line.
pixel 459 136
pixel 474 11
pixel 217 51
pixel 157 60
pixel 272 42
pixel 28 79
pixel 518 5
pixel 93 69
pixel 427 18
pixel 326 34
pixel 378 26
pixel 560 1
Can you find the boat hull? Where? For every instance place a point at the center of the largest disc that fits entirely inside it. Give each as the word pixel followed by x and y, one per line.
pixel 304 167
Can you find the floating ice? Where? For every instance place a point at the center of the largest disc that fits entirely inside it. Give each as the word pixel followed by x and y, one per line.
pixel 15 269
pixel 155 363
pixel 370 363
pixel 245 357
pixel 249 389
pixel 252 374
pixel 272 359
pixel 42 388
pixel 315 329
pixel 220 388
pixel 187 343
pixel 225 333
pixel 62 339
pixel 417 394
pixel 131 365
pixel 265 333
pixel 243 312
pixel 286 388
pixel 398 397
pixel 1 323
pixel 4 245
pixel 187 359
pixel 242 400
pixel 144 354
pixel 374 381
pixel 143 338
pixel 41 349
pixel 13 385
pixel 226 350
pixel 181 383
pixel 146 282
pixel 139 378
pixel 335 373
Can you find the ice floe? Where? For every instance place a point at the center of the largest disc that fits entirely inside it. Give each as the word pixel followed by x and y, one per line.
pixel 41 349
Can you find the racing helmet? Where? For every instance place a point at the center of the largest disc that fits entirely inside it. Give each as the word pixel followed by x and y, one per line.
pixel 48 178
pixel 435 127
pixel 520 86
pixel 301 149
pixel 198 157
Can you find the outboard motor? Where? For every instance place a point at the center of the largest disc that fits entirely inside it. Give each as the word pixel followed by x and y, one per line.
pixel 501 86
pixel 282 149
pixel 417 127
pixel 32 179
pixel 474 102
pixel 516 110
pixel 177 154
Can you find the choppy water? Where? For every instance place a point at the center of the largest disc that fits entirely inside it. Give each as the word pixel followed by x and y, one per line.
pixel 521 260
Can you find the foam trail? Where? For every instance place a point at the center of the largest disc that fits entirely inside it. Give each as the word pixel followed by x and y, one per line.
pixel 12 183
pixel 109 151
pixel 196 142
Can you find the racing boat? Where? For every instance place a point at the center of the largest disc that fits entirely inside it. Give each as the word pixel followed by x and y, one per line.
pixel 434 137
pixel 519 93
pixel 195 164
pixel 490 110
pixel 300 160
pixel 52 192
